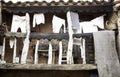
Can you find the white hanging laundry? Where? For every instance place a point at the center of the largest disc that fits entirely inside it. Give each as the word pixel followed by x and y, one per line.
pixel 88 27
pixel 25 51
pixel 74 20
pixel 26 41
pixel 99 21
pixel 57 23
pixel 19 22
pixel 38 19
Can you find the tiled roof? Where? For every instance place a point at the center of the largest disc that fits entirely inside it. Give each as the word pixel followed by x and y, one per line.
pixel 48 1
pixel 54 2
pixel 59 5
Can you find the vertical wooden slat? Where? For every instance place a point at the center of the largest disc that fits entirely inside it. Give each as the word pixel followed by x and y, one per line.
pixel 3 50
pixel 36 53
pixel 83 55
pixel 14 51
pixel 50 53
pixel 106 55
pixel 60 52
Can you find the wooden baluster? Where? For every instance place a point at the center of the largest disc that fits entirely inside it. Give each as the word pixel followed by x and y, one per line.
pixel 50 53
pixel 36 53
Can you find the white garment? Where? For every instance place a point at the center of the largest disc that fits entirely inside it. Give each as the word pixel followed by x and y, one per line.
pixel 74 18
pixel 26 41
pixel 19 22
pixel 25 51
pixel 88 27
pixel 57 24
pixel 99 21
pixel 38 19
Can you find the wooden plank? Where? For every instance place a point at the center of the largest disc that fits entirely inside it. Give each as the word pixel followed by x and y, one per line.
pixel 15 34
pixel 48 66
pixel 15 50
pixel 47 35
pixel 106 54
pixel 36 52
pixel 3 50
pixel 44 9
pixel 60 52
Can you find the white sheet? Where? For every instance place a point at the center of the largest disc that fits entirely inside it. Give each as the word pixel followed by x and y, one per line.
pixel 57 23
pixel 99 21
pixel 38 19
pixel 88 27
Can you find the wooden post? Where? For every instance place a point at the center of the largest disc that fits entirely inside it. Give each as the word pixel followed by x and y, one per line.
pixel 14 52
pixel 60 52
pixel 82 47
pixel 36 53
pixel 3 50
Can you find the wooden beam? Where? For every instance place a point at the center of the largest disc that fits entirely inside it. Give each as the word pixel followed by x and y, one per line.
pixel 48 36
pixel 15 34
pixel 48 66
pixel 45 9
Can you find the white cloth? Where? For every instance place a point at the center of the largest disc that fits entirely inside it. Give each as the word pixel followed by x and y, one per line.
pixel 74 19
pixel 26 42
pixel 38 19
pixel 25 50
pixel 88 27
pixel 19 22
pixel 57 23
pixel 99 21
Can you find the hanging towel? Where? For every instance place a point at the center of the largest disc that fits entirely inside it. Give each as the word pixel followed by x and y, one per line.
pixel 38 19
pixel 88 27
pixel 99 21
pixel 57 24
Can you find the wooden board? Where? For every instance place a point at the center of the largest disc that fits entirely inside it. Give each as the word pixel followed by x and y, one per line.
pixel 106 54
pixel 48 66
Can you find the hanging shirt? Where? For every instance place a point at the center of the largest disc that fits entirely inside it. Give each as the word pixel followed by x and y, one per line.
pixel 38 19
pixel 57 23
